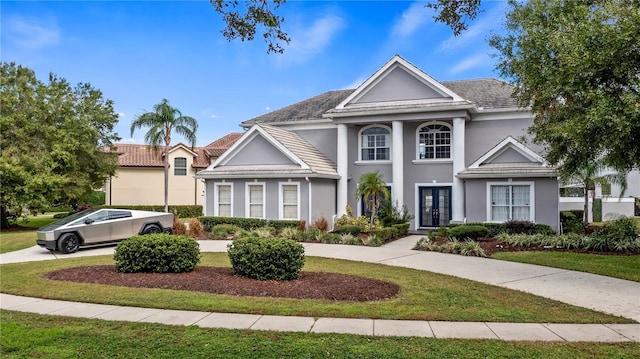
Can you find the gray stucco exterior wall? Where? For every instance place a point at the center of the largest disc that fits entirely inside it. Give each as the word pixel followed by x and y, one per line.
pixel 481 136
pixel 546 199
pixel 325 140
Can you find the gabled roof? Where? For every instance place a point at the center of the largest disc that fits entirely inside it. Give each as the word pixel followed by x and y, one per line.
pixel 486 93
pixel 306 160
pixel 532 166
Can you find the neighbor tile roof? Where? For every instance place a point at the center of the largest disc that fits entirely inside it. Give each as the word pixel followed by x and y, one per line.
pixel 144 156
pixel 486 93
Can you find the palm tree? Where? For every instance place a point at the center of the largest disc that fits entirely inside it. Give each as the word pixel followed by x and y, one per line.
pixel 372 189
pixel 590 176
pixel 161 122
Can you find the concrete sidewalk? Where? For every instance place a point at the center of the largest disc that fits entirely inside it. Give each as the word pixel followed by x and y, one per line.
pixel 373 327
pixel 605 294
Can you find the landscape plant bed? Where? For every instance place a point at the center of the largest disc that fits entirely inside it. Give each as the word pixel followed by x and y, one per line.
pixel 495 245
pixel 220 280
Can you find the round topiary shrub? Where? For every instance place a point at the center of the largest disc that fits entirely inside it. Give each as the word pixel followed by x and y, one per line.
pixel 266 258
pixel 157 253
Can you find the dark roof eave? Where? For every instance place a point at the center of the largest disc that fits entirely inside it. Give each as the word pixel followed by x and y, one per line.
pixel 363 111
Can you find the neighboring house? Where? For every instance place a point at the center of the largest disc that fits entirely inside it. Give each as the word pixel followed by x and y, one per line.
pixel 139 179
pixel 448 151
pixel 615 203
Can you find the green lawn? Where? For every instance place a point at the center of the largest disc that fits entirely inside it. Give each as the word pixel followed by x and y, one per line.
pixel 423 295
pixel 39 336
pixel 15 240
pixel 623 267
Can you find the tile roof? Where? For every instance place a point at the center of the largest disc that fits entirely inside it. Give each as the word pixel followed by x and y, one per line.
pixel 486 93
pixel 217 147
pixel 144 156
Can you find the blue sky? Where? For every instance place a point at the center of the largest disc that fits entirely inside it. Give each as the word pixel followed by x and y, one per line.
pixel 139 52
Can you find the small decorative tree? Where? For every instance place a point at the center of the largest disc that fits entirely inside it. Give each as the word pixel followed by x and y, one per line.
pixel 372 189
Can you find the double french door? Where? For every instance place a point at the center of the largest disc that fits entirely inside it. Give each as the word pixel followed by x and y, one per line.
pixel 435 206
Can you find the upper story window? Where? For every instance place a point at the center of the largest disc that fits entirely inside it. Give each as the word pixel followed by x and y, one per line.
pixel 375 144
pixel 434 141
pixel 180 166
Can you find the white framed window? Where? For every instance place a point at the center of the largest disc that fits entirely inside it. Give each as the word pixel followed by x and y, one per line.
pixel 375 143
pixel 179 166
pixel 255 200
pixel 510 201
pixel 224 200
pixel 434 141
pixel 289 200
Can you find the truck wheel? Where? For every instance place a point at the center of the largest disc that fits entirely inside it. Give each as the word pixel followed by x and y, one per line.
pixel 68 243
pixel 151 229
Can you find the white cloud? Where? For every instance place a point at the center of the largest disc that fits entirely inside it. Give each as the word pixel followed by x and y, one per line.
pixel 132 141
pixel 267 108
pixel 355 83
pixel 214 116
pixel 121 115
pixel 32 33
pixel 411 20
pixel 312 40
pixel 477 60
pixel 479 29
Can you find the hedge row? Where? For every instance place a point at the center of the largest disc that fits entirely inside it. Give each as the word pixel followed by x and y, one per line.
pixel 510 227
pixel 157 253
pixel 247 223
pixel 182 211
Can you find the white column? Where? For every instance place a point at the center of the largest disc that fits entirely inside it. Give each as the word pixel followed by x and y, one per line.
pixel 397 163
pixel 458 166
pixel 343 168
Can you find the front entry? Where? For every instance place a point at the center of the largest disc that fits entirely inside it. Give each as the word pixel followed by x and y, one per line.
pixel 435 206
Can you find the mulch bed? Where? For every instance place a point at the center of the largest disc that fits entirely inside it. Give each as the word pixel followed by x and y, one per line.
pixel 309 285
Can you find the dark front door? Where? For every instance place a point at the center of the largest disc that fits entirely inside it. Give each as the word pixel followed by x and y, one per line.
pixel 435 205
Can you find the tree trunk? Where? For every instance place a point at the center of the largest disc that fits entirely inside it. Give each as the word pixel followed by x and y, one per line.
pixel 4 221
pixel 586 203
pixel 166 177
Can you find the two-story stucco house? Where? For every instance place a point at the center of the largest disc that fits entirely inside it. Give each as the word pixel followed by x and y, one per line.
pixel 449 151
pixel 139 178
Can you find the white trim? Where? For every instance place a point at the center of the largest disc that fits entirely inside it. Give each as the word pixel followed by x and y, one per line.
pixel 184 147
pixel 505 144
pixel 281 199
pixel 360 160
pixel 417 142
pixel 430 162
pixel 243 141
pixel 387 68
pixel 247 205
pixel 216 202
pixel 416 199
pixel 532 197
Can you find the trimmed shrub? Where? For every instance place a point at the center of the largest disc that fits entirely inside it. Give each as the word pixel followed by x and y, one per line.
pixel 348 238
pixel 403 229
pixel 373 241
pixel 157 253
pixel 247 223
pixel 330 238
pixel 384 234
pixel 465 248
pixel 517 227
pixel 540 228
pixel 468 231
pixel 354 230
pixel 311 235
pixel 266 259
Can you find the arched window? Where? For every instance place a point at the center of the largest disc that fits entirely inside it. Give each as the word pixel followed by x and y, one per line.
pixel 375 144
pixel 434 141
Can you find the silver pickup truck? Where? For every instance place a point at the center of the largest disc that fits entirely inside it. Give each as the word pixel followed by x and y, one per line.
pixel 101 226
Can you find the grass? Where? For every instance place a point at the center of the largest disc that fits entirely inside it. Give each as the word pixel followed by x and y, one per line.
pixel 15 240
pixel 39 336
pixel 423 295
pixel 623 267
